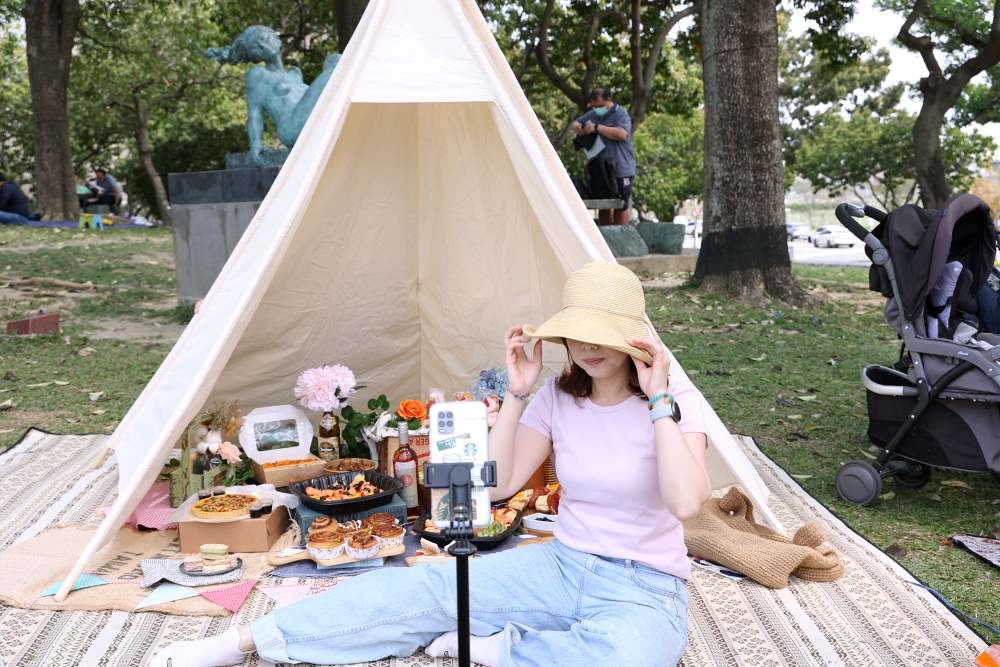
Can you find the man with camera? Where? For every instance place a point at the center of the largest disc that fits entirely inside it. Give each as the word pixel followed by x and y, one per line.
pixel 614 126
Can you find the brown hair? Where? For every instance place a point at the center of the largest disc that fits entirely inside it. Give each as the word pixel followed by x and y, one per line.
pixel 577 383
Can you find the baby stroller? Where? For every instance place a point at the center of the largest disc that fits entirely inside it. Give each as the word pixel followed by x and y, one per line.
pixel 939 405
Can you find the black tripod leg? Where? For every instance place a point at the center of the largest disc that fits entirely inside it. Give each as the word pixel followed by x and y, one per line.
pixel 462 574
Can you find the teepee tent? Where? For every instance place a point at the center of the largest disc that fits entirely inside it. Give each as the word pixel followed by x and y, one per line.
pixel 421 213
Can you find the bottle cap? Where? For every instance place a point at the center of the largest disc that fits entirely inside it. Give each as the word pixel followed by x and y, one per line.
pixel 404 433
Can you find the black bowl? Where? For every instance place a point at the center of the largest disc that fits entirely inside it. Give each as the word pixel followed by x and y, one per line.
pixel 386 486
pixel 482 543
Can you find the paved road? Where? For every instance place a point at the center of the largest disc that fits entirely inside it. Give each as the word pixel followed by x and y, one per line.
pixel 803 252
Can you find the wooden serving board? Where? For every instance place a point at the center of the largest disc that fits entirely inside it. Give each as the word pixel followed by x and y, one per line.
pixel 340 560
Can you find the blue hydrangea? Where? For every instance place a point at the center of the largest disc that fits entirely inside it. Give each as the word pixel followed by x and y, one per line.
pixel 494 379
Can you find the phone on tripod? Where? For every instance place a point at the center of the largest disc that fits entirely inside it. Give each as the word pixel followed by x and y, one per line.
pixel 459 434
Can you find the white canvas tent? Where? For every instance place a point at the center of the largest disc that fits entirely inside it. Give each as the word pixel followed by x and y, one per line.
pixel 421 213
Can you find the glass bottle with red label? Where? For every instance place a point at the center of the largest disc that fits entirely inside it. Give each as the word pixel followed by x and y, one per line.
pixel 404 465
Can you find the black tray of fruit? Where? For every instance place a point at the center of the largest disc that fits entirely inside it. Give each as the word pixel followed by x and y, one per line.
pixel 481 543
pixel 385 488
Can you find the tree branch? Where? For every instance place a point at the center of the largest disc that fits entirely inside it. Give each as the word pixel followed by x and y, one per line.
pixel 966 35
pixel 922 44
pixel 545 64
pixel 661 37
pixel 595 25
pixel 987 57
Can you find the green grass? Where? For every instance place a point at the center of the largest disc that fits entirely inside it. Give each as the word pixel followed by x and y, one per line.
pixel 722 348
pixel 111 372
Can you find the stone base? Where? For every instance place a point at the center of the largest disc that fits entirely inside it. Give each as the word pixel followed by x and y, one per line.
pixel 665 238
pixel 211 210
pixel 271 158
pixel 658 264
pixel 624 240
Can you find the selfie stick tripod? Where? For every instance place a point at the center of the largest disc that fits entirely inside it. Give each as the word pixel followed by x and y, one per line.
pixel 457 478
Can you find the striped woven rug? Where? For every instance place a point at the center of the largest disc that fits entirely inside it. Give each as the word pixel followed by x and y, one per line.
pixel 869 617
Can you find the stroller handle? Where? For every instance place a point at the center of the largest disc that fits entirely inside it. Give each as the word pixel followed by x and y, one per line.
pixel 845 213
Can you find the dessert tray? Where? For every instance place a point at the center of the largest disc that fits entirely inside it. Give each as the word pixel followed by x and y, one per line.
pixel 295 554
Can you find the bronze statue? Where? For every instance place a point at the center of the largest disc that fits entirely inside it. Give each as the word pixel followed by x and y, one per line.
pixel 273 88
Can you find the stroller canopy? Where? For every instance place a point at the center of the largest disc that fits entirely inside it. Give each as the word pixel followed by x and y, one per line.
pixel 920 245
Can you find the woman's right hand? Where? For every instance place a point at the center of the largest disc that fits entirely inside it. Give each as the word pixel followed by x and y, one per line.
pixel 522 373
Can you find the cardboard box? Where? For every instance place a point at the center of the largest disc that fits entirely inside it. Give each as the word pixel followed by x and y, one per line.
pixel 420 444
pixel 243 536
pixel 183 486
pixel 279 476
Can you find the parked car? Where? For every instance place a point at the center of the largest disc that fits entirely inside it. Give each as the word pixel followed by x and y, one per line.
pixel 795 231
pixel 689 224
pixel 811 236
pixel 833 236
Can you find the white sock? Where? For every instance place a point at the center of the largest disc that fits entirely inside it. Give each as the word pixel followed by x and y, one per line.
pixel 484 650
pixel 219 651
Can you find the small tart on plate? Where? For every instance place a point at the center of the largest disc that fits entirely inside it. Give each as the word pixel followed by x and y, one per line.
pixel 389 535
pixel 226 506
pixel 362 546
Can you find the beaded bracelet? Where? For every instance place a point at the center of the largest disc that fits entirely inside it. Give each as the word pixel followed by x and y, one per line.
pixel 523 396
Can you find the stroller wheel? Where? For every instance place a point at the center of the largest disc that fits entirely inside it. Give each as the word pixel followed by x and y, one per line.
pixel 858 483
pixel 912 475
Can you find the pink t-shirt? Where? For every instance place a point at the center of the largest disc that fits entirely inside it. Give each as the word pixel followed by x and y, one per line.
pixel 605 459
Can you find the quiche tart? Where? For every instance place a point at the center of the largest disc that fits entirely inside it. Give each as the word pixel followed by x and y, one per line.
pixel 226 506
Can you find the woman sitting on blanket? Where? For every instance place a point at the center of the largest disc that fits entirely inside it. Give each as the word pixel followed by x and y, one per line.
pixel 610 588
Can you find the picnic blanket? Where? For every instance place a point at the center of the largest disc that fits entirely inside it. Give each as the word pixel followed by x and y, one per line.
pixel 871 616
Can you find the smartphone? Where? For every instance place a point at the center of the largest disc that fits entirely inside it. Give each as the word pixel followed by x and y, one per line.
pixel 459 434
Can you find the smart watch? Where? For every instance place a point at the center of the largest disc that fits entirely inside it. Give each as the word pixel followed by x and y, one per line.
pixel 670 409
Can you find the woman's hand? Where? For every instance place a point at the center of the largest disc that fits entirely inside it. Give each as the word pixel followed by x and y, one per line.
pixel 653 380
pixel 522 373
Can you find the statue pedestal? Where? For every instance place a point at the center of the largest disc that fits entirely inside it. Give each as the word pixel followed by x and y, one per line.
pixel 211 210
pixel 271 158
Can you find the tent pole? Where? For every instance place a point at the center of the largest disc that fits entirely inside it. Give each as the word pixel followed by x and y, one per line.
pixel 68 582
pixel 111 523
pixel 105 450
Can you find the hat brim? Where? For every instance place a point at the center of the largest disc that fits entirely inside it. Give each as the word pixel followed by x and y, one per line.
pixel 594 327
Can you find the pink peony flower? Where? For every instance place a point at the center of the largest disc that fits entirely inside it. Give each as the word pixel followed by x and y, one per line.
pixel 325 388
pixel 229 452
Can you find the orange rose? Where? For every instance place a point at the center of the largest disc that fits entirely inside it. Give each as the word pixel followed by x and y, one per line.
pixel 412 409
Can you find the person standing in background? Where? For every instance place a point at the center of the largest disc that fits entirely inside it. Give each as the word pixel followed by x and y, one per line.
pixel 13 204
pixel 614 125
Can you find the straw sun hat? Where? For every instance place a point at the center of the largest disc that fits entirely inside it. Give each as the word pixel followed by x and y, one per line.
pixel 603 304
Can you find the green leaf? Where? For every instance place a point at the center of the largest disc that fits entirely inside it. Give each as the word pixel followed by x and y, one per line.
pixel 173 463
pixel 372 403
pixel 413 424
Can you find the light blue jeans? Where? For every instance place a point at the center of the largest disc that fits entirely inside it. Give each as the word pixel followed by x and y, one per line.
pixel 557 606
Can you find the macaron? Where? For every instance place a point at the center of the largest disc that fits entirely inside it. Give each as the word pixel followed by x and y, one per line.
pixel 214 551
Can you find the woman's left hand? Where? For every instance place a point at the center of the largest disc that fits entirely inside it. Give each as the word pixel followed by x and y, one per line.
pixel 653 380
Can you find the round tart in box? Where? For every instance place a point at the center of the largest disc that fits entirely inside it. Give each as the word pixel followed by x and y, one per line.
pixel 227 506
pixel 326 546
pixel 389 535
pixel 362 546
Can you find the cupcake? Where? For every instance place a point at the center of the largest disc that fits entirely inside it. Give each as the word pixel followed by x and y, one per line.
pixel 325 546
pixel 380 518
pixel 389 535
pixel 348 528
pixel 362 546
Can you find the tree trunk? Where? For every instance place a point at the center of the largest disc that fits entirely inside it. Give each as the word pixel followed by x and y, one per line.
pixel 349 13
pixel 49 28
pixel 927 158
pixel 146 158
pixel 744 247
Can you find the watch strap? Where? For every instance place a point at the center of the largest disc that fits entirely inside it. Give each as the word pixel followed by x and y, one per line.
pixel 661 411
